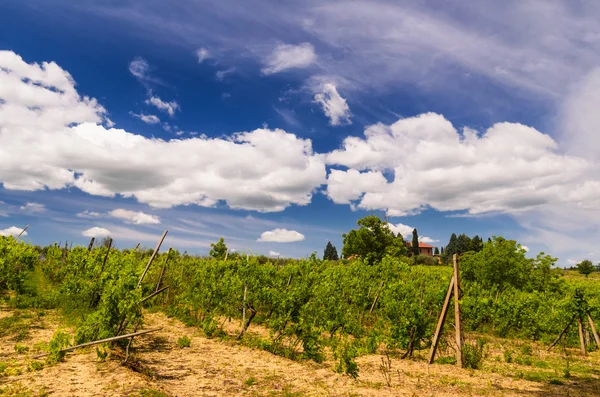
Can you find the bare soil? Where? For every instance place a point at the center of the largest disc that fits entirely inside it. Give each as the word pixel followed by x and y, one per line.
pixel 210 367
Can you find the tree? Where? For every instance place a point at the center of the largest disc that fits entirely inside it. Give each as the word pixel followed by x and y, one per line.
pixel 415 243
pixel 476 243
pixel 463 244
pixel 330 252
pixel 585 267
pixel 219 250
pixel 370 241
pixel 500 263
pixel 106 242
pixel 398 247
pixel 436 251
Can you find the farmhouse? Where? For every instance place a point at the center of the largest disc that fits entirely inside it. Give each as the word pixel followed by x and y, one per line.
pixel 424 249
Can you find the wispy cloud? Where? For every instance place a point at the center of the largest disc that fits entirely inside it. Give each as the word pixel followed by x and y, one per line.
pixel 146 118
pixel 221 74
pixel 202 54
pixel 288 56
pixel 33 207
pixel 169 107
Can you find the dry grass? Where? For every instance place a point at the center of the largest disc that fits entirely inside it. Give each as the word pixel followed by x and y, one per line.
pixel 209 367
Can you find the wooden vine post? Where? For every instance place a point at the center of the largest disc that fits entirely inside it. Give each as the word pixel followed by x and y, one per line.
pixel 440 325
pixel 22 231
pixel 152 258
pixel 594 332
pixel 581 336
pixel 457 316
pixel 453 289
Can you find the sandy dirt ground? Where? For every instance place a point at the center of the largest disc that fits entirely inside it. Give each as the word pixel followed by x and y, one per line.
pixel 210 367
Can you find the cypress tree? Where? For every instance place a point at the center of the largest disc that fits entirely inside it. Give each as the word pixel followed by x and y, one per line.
pixel 415 243
pixel 436 251
pixel 334 254
pixel 330 252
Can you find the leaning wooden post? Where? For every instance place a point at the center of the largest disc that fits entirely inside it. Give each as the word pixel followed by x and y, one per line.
pixel 581 336
pixel 440 325
pixel 163 270
pixel 151 258
pixel 106 256
pixel 91 244
pixel 22 231
pixel 244 307
pixel 457 317
pixel 564 331
pixel 97 342
pixel 593 327
pixel 376 297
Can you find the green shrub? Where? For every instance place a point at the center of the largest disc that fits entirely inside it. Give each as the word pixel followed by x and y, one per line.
pixel 20 349
pixel 474 354
pixel 508 356
pixel 426 260
pixel 447 360
pixel 59 341
pixel 184 341
pixel 250 381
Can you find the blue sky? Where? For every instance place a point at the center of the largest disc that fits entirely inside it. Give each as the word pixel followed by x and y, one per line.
pixel 278 126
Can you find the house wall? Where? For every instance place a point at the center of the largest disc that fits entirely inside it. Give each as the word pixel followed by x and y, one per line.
pixel 426 251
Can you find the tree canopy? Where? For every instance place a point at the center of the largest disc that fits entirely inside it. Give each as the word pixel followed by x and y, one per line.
pixel 330 252
pixel 585 267
pixel 372 240
pixel 219 249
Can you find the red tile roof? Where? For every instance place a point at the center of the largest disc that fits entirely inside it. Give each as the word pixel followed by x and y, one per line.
pixel 421 245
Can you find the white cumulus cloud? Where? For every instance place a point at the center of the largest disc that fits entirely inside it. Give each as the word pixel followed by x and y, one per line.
pixel 273 253
pixel 335 107
pixel 508 168
pixel 169 107
pixel 281 236
pixel 33 207
pixel 406 232
pixel 135 217
pixel 289 56
pixel 12 231
pixel 96 232
pixel 263 170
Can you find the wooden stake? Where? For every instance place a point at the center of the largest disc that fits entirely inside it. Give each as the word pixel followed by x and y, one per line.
pixel 22 231
pixel 440 325
pixel 581 336
pixel 226 255
pixel 593 326
pixel 91 244
pixel 152 295
pixel 457 317
pixel 106 256
pixel 68 349
pixel 244 307
pixel 136 247
pixel 376 297
pixel 151 258
pixel 164 269
pixel 247 324
pixel 560 335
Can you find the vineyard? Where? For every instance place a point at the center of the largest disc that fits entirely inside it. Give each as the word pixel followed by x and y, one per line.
pixel 332 315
